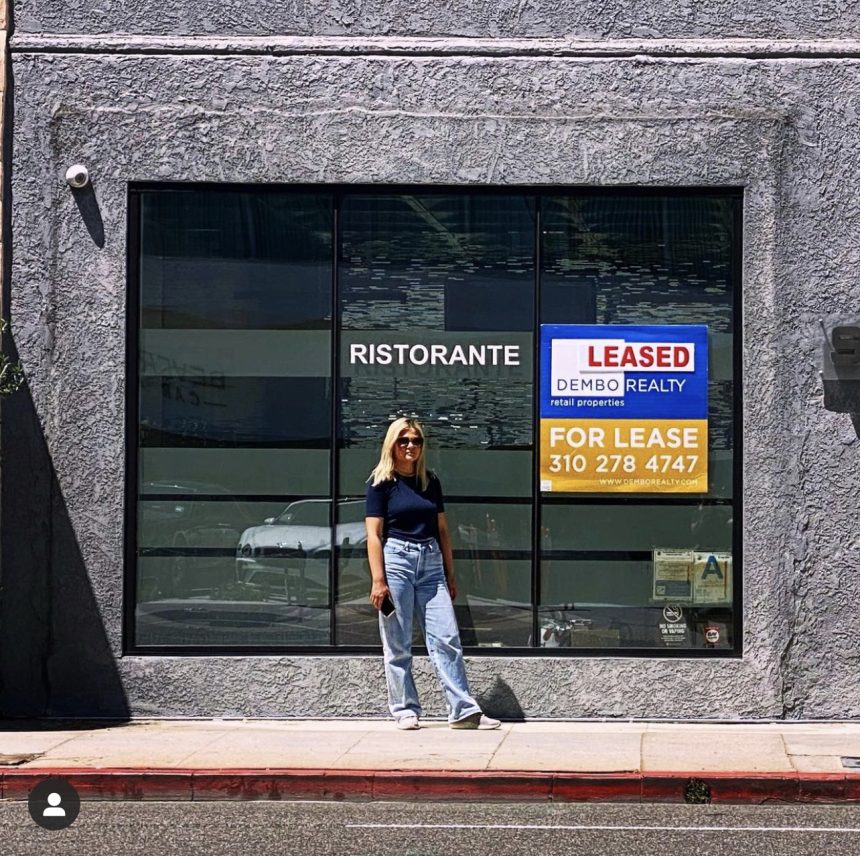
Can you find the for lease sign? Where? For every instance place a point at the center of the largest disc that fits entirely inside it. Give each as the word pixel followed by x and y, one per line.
pixel 624 408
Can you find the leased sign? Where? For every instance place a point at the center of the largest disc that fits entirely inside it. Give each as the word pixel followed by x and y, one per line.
pixel 624 408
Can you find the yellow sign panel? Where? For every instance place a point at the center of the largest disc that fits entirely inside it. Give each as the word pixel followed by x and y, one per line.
pixel 624 455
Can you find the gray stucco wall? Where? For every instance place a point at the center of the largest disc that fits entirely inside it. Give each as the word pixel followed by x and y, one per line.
pixel 589 19
pixel 785 128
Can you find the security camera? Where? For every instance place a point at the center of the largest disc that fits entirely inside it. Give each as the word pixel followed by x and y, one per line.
pixel 77 176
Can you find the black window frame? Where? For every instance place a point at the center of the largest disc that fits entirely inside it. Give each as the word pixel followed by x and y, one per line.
pixel 337 192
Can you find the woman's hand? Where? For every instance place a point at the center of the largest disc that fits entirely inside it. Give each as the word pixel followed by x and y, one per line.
pixel 378 588
pixel 452 585
pixel 377 593
pixel 447 553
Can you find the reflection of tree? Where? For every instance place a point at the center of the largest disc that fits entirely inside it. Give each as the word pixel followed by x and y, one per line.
pixel 459 413
pixel 345 428
pixel 401 252
pixel 469 404
pixel 650 258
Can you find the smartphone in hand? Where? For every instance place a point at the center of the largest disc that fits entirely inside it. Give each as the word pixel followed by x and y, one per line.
pixel 387 607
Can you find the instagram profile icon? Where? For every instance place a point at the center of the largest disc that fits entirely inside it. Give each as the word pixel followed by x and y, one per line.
pixel 54 803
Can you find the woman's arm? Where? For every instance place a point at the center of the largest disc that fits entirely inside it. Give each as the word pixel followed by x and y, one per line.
pixel 378 587
pixel 447 553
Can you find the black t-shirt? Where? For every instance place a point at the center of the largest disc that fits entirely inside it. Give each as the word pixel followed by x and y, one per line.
pixel 409 512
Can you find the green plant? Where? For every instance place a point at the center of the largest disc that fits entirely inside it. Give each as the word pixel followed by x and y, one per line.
pixel 11 374
pixel 697 792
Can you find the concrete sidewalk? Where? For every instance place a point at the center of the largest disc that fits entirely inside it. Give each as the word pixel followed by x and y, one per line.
pixel 367 759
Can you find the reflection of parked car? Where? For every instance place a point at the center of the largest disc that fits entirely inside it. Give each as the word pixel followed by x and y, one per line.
pixel 287 557
pixel 187 542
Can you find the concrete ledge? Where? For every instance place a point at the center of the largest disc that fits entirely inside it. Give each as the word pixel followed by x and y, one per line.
pixel 428 46
pixel 441 785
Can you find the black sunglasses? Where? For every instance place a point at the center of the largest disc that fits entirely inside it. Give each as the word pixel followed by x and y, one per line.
pixel 403 442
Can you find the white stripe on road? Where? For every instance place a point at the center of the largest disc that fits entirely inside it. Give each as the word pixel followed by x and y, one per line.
pixel 605 828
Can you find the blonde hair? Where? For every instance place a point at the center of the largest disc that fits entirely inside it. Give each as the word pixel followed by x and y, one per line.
pixel 384 470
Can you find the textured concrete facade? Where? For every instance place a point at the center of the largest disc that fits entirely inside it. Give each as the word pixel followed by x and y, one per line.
pixel 591 19
pixel 430 93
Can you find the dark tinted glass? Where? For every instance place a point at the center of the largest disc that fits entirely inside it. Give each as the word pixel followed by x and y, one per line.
pixel 237 534
pixel 236 412
pixel 446 282
pixel 244 260
pixel 234 406
pixel 625 258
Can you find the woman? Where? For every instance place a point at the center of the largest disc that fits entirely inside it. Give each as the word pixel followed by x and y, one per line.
pixel 409 549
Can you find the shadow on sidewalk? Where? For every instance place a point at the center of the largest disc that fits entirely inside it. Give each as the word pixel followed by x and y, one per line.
pixel 500 700
pixel 59 724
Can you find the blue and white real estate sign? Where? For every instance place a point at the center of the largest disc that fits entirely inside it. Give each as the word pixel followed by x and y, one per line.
pixel 624 408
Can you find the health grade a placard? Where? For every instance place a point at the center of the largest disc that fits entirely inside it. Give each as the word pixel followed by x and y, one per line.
pixel 624 408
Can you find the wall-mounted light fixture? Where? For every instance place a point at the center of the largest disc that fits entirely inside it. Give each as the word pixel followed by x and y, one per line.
pixel 840 369
pixel 77 176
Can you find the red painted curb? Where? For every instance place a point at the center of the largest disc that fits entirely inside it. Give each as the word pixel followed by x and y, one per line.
pixel 450 784
pixel 290 784
pixel 597 787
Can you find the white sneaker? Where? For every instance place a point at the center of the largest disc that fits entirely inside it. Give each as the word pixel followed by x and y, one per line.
pixel 408 722
pixel 476 720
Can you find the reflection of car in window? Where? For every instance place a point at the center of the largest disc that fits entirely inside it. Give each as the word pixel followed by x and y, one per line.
pixel 187 534
pixel 309 512
pixel 287 556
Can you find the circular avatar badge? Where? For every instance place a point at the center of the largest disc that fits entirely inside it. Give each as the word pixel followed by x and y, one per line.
pixel 54 803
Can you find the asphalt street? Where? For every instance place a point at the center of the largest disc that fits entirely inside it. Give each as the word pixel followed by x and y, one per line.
pixel 434 829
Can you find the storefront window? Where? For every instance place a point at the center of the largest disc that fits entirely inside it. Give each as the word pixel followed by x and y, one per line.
pixel 612 565
pixel 234 370
pixel 279 331
pixel 444 271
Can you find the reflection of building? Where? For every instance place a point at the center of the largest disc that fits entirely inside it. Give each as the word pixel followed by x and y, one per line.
pixel 186 343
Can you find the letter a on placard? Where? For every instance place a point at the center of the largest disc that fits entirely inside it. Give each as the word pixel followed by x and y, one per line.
pixel 712 568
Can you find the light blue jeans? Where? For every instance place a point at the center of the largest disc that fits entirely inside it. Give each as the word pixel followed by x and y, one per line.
pixel 416 578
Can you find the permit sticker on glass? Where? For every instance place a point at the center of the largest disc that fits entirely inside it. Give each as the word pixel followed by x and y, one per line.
pixel 712 577
pixel 673 575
